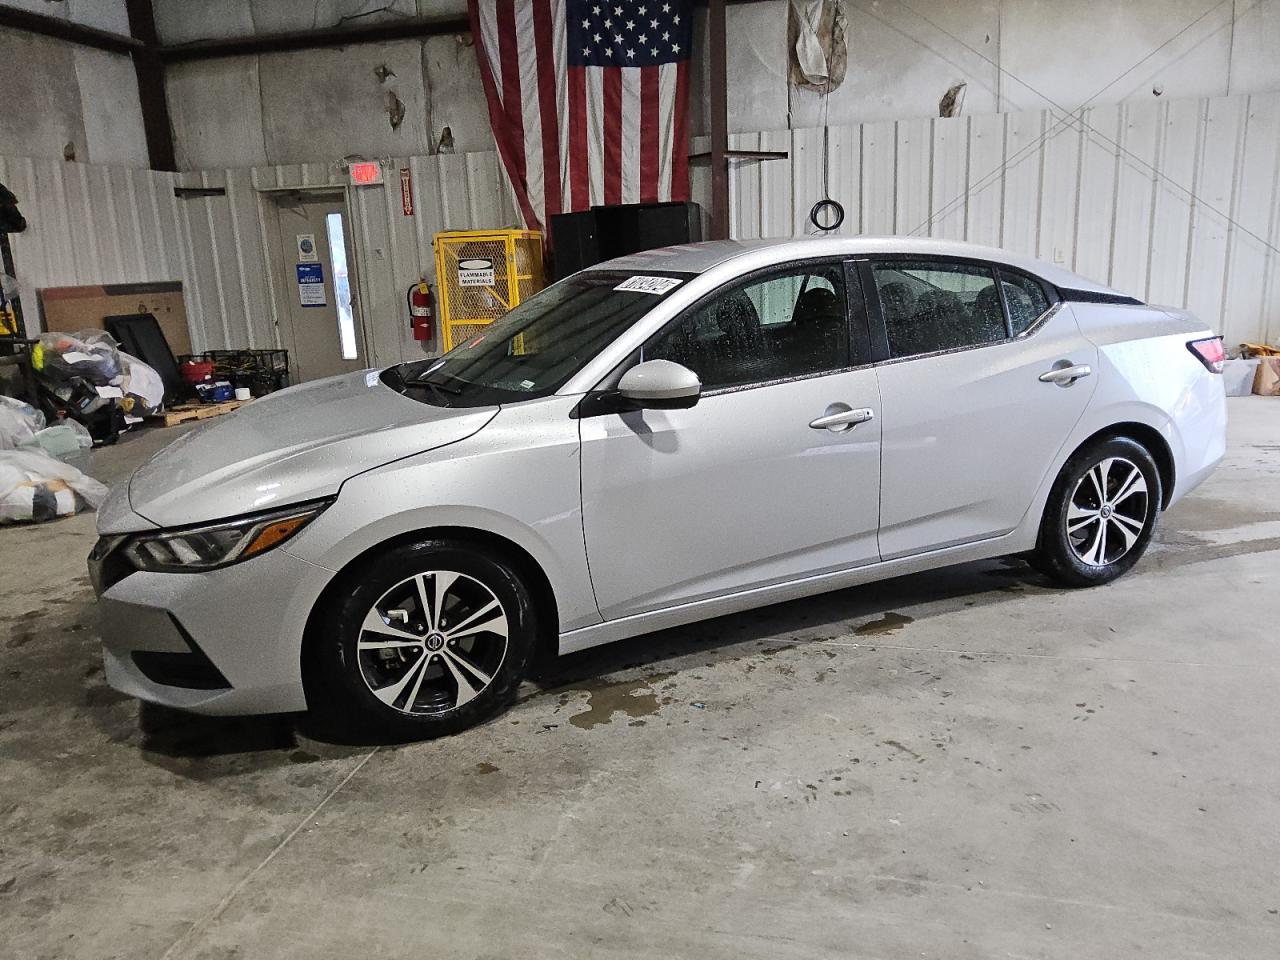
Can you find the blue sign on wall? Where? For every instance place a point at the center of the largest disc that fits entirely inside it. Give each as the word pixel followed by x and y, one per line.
pixel 311 285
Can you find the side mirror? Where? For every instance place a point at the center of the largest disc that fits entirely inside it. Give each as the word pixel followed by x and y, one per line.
pixel 660 385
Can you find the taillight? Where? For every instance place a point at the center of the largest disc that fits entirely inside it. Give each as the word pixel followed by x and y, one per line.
pixel 1209 352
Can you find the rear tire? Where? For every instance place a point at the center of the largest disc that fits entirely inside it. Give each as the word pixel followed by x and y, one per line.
pixel 426 640
pixel 1101 514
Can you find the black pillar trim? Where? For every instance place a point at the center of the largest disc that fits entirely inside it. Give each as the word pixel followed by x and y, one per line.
pixel 313 39
pixel 67 30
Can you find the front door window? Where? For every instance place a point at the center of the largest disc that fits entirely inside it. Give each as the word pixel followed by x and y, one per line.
pixel 789 324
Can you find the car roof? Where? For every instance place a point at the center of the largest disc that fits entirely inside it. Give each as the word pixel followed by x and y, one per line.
pixel 752 254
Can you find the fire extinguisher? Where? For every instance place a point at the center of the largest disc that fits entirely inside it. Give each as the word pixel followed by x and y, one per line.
pixel 422 311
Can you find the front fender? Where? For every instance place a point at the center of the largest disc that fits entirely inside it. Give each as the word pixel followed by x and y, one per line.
pixel 517 479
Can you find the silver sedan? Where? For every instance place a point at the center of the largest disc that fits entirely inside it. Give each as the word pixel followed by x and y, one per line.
pixel 668 437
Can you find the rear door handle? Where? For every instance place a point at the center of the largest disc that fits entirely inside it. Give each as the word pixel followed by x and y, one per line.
pixel 843 419
pixel 1066 376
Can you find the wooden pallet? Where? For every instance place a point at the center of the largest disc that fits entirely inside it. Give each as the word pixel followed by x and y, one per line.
pixel 185 412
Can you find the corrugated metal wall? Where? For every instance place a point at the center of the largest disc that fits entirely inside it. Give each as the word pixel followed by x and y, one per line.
pixel 92 224
pixel 1176 202
pixel 233 293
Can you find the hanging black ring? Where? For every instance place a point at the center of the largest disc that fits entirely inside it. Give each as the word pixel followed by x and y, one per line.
pixel 822 206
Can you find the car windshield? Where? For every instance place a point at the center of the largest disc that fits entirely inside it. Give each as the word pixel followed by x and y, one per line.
pixel 533 350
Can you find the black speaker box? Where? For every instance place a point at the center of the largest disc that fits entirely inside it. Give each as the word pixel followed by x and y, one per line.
pixel 580 240
pixel 573 242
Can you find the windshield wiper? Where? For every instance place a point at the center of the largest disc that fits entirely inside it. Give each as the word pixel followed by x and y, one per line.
pixel 425 378
pixel 425 382
pixel 442 393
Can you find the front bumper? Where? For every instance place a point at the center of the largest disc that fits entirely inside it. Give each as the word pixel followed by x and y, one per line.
pixel 223 642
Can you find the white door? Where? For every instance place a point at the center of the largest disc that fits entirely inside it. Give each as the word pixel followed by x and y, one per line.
pixel 970 429
pixel 315 282
pixel 740 490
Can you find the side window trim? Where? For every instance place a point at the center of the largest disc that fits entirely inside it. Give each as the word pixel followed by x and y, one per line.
pixel 877 332
pixel 1004 301
pixel 857 310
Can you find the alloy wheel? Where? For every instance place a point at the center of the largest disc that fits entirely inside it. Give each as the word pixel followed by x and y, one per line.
pixel 1108 511
pixel 433 642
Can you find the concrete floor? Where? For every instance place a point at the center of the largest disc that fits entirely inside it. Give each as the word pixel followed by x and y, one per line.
pixel 962 764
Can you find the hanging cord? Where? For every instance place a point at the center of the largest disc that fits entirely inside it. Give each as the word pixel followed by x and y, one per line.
pixel 826 204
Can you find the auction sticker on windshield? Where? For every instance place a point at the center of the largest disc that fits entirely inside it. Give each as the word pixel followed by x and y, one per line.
pixel 655 285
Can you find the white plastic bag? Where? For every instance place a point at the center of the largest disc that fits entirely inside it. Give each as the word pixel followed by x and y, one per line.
pixel 18 422
pixel 1237 376
pixel 143 384
pixel 83 436
pixel 34 486
pixel 62 441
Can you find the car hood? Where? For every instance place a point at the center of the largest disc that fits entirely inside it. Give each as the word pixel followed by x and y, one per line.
pixel 295 445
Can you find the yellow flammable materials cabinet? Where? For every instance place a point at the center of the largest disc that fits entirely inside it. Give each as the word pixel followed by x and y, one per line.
pixel 481 274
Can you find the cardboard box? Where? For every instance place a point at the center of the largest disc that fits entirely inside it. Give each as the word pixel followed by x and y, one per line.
pixel 68 309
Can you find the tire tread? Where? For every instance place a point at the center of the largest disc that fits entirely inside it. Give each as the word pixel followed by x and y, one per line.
pixel 341 687
pixel 1053 555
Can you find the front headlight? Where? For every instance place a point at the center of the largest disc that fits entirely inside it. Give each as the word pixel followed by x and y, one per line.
pixel 219 544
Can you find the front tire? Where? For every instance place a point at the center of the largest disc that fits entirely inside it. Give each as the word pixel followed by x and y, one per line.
pixel 428 639
pixel 1101 513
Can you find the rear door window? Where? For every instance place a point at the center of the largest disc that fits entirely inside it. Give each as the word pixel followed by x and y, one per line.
pixel 930 306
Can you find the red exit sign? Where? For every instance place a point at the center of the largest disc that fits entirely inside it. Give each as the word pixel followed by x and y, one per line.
pixel 364 174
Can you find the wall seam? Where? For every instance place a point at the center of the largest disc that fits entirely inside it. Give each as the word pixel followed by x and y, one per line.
pixel 1161 145
pixel 1202 121
pixel 1081 140
pixel 131 190
pixel 91 235
pixel 113 222
pixel 1237 174
pixel 1273 237
pixel 183 210
pixel 1042 143
pixel 1122 131
pixel 216 262
pixel 264 212
pixel 237 239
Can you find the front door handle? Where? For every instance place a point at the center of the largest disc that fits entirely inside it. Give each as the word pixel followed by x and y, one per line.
pixel 842 419
pixel 1065 376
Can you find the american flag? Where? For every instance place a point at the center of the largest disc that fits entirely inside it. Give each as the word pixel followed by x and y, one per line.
pixel 588 99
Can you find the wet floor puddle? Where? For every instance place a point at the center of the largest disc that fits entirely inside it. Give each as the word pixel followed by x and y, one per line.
pixel 635 699
pixel 886 624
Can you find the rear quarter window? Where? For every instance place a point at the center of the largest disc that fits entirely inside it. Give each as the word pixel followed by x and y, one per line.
pixel 1025 298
